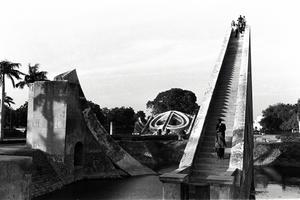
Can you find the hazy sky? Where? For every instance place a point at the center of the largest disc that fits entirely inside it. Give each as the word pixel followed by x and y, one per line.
pixel 127 51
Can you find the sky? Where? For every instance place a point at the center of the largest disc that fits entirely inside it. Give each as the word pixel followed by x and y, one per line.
pixel 127 51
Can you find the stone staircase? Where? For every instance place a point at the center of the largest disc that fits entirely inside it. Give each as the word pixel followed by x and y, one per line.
pixel 44 177
pixel 223 105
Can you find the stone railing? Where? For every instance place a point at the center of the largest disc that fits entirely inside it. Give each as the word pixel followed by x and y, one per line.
pixel 15 177
pixel 241 160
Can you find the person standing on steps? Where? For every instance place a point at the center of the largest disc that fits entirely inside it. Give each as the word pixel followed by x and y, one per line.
pixel 235 28
pixel 220 143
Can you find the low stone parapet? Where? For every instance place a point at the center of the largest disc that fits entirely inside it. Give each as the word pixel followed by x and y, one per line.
pixel 15 177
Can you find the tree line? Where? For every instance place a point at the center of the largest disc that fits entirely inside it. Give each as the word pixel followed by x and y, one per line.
pixel 281 117
pixel 123 118
pixel 278 117
pixel 10 70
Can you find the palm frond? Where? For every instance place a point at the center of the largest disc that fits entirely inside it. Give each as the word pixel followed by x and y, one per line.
pixel 12 80
pixel 21 84
pixel 8 100
pixel 33 74
pixel 32 69
pixel 10 69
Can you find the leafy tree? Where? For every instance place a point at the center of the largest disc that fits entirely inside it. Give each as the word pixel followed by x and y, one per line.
pixel 279 117
pixel 100 114
pixel 174 99
pixel 13 119
pixel 9 111
pixel 123 120
pixel 298 114
pixel 290 124
pixel 140 113
pixel 10 70
pixel 16 118
pixel 21 115
pixel 9 119
pixel 33 75
pixel 298 107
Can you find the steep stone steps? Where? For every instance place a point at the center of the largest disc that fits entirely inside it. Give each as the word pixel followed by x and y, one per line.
pixel 202 173
pixel 44 177
pixel 208 160
pixel 223 105
pixel 207 149
pixel 214 166
pixel 211 143
pixel 207 155
pixel 211 149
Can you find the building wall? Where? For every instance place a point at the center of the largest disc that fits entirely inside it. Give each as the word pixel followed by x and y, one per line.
pixel 46 124
pixel 59 121
pixel 75 127
pixel 248 170
pixel 56 125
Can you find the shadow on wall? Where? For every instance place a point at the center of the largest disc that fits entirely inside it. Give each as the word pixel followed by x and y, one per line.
pixel 49 100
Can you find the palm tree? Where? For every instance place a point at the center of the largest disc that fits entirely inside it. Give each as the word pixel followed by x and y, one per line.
pixel 8 101
pixel 33 75
pixel 10 70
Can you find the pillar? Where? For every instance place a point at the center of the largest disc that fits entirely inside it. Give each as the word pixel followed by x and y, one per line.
pixel 174 186
pixel 111 128
pixel 221 191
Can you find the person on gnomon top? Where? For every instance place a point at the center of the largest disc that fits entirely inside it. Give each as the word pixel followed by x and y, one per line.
pixel 220 143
